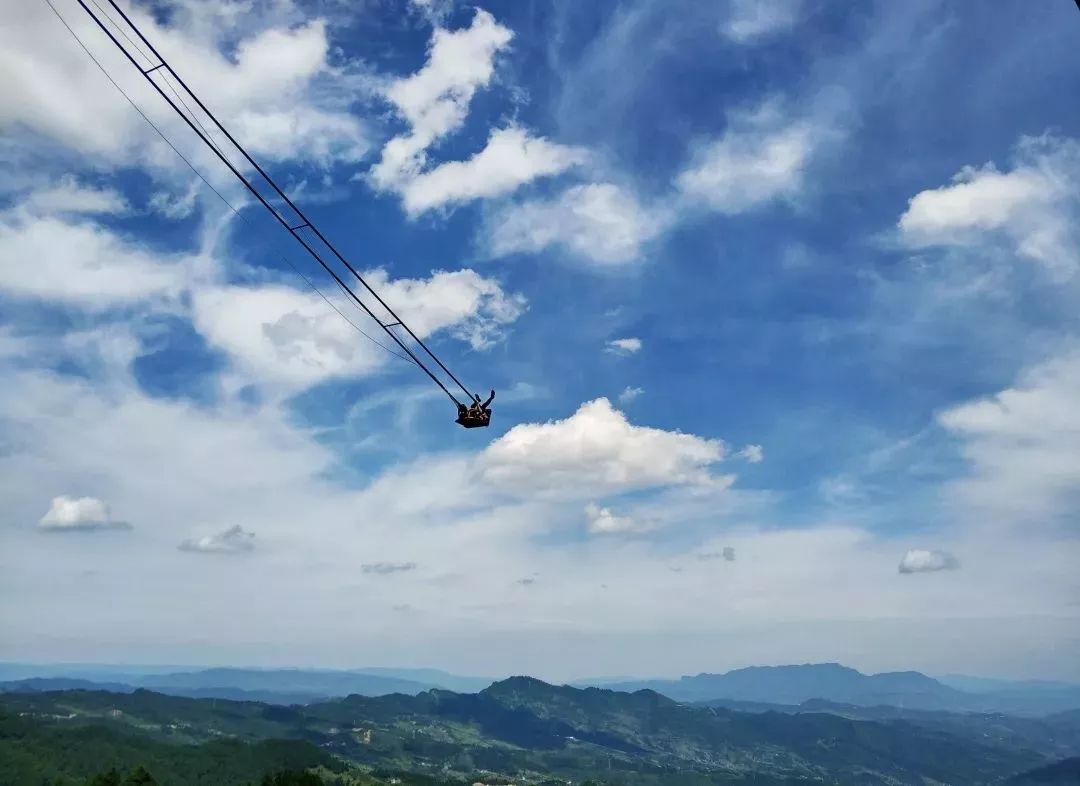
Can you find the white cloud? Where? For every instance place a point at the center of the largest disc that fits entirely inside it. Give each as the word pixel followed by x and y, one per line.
pixel 70 196
pixel 510 159
pixel 761 157
pixel 79 263
pixel 281 335
pixel 277 85
pixel 1034 206
pixel 293 339
pixel 435 100
pixel 234 540
pixel 1022 444
pixel 601 521
pixel 624 346
pixel 599 222
pixel 596 450
pixel 472 308
pixel 629 394
pixel 753 454
pixel 751 20
pixel 924 561
pixel 82 513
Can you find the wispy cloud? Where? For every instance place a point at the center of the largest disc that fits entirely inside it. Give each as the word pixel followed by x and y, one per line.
pixel 752 20
pixel 624 346
pixel 234 540
pixel 598 222
pixel 752 454
pixel 761 157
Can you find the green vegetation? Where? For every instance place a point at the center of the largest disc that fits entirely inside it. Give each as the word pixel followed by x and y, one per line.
pixel 32 752
pixel 519 731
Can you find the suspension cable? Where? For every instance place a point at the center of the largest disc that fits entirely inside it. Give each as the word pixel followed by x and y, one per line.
pixel 293 230
pixel 209 185
pixel 305 222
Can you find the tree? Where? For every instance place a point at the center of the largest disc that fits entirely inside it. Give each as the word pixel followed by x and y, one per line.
pixel 140 776
pixel 107 778
pixel 292 778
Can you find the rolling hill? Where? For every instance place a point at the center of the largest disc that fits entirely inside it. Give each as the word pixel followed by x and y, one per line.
pixel 523 727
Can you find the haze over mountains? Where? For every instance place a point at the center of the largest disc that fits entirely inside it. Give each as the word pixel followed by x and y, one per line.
pixel 753 688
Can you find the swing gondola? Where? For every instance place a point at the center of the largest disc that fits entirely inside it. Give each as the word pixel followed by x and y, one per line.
pixel 476 416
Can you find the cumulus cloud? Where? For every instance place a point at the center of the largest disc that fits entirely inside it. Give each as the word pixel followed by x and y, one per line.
pixel 629 394
pixel 751 20
pixel 599 222
pixel 276 86
pixel 1034 206
pixel 601 521
pixel 387 568
pixel 472 308
pixel 1022 443
pixel 761 157
pixel 924 561
pixel 281 335
pixel 234 540
pixel 753 454
pixel 435 100
pixel 293 339
pixel 624 346
pixel 597 450
pixel 511 159
pixel 72 514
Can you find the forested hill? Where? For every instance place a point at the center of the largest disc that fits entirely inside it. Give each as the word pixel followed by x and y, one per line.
pixel 525 728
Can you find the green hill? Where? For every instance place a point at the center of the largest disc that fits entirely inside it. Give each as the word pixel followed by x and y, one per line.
pixel 35 753
pixel 526 729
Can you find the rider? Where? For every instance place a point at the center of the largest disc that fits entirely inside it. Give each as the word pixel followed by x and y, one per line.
pixel 478 411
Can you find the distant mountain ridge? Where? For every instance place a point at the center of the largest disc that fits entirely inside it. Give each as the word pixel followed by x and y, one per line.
pixel 274 686
pixel 793 685
pixel 787 686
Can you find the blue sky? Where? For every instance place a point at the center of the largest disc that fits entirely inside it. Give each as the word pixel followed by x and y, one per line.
pixel 779 299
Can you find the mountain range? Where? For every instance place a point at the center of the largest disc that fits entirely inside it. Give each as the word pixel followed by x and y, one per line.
pixel 793 685
pixel 274 686
pixel 772 687
pixel 538 734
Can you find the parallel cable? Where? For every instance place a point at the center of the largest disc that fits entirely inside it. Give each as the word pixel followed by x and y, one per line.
pixel 149 63
pixel 305 222
pixel 209 185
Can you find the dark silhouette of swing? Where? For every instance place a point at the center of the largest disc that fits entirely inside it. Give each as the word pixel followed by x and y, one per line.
pixel 478 415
